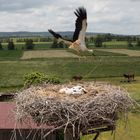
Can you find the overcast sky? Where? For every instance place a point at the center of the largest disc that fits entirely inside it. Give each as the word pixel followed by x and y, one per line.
pixel 114 16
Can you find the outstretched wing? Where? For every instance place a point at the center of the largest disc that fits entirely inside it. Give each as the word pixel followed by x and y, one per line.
pixel 80 25
pixel 60 38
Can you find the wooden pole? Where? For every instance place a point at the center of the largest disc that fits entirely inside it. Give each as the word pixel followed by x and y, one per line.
pixel 69 134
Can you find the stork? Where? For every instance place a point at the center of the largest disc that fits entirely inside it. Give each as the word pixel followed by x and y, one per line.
pixel 78 43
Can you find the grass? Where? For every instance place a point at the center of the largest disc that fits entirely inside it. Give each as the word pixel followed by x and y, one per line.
pixel 10 54
pixel 48 54
pixel 117 44
pixel 123 51
pixel 99 52
pixel 12 72
pixel 130 132
pixel 114 44
pixel 38 45
pixel 123 131
pixel 105 66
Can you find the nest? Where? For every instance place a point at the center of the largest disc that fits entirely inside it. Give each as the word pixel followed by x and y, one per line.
pixel 101 105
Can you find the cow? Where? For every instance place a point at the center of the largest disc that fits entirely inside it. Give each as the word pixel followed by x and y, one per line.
pixel 129 77
pixel 77 78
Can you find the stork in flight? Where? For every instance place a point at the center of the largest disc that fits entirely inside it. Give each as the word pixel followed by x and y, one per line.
pixel 78 43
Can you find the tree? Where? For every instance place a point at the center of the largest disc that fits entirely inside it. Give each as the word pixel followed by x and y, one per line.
pixel 91 39
pixel 61 45
pixel 29 45
pixel 138 43
pixel 98 41
pixel 1 46
pixel 129 44
pixel 54 44
pixel 11 45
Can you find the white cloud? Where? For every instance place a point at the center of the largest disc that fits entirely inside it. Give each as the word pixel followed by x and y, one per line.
pixel 121 16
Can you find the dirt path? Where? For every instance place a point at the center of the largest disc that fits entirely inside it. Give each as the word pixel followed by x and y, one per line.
pixel 122 51
pixel 47 54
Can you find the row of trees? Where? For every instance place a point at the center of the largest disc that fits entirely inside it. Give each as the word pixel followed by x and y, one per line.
pixel 104 37
pixel 29 45
pixel 130 44
pixel 24 39
pixel 98 41
pixel 57 44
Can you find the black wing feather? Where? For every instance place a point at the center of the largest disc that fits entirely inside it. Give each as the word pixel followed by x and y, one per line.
pixel 81 15
pixel 56 35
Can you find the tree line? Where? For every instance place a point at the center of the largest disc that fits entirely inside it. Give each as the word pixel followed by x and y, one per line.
pixel 96 40
pixel 29 45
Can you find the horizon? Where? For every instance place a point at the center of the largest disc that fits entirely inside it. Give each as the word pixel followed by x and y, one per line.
pixel 68 31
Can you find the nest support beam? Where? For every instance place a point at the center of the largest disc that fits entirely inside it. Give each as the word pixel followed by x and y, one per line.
pixel 97 131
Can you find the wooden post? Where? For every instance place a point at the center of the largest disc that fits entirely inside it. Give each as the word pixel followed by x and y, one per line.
pixel 69 134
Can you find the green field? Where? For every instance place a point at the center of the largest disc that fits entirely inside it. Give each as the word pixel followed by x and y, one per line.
pixel 104 66
pixel 122 51
pixel 38 45
pixel 12 72
pixel 114 44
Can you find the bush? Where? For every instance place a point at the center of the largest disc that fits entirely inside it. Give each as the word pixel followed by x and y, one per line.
pixel 138 43
pixel 1 46
pixel 29 44
pixel 11 45
pixel 37 78
pixel 98 41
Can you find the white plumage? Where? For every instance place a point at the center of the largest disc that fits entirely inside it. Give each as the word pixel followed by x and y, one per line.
pixel 73 90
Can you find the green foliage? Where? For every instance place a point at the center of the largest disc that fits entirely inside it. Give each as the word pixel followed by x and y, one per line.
pixel 60 45
pixel 11 45
pixel 36 78
pixel 54 44
pixel 98 41
pixel 10 55
pixel 29 44
pixel 130 45
pixel 1 46
pixel 57 44
pixel 138 43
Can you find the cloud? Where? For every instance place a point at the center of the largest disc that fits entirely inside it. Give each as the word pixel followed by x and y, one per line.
pixel 113 16
pixel 18 5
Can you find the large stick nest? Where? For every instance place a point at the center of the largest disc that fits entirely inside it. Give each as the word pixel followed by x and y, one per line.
pixel 100 105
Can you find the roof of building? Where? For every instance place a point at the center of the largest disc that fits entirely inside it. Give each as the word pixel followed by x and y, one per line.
pixel 8 120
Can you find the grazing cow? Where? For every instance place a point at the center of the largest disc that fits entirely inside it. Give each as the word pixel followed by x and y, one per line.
pixel 129 77
pixel 77 78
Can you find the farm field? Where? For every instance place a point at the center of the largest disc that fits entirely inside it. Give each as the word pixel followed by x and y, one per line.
pixel 38 45
pixel 114 44
pixel 91 68
pixel 130 131
pixel 104 66
pixel 47 54
pixel 122 51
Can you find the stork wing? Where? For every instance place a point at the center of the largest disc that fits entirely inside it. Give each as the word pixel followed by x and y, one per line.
pixel 60 38
pixel 80 25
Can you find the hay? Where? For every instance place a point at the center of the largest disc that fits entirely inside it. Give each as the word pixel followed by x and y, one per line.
pixel 101 105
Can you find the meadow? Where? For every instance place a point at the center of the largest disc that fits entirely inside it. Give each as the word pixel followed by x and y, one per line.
pixel 38 45
pixel 108 66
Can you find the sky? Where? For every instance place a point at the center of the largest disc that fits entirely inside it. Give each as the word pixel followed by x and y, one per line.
pixel 105 16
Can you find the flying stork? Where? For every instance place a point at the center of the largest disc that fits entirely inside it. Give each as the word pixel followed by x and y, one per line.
pixel 78 43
